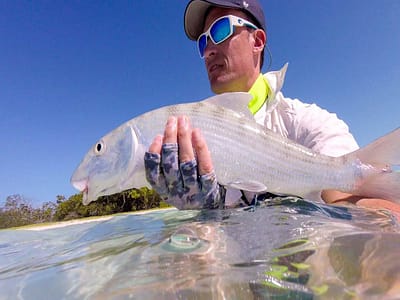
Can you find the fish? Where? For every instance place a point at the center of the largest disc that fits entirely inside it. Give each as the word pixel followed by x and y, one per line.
pixel 245 156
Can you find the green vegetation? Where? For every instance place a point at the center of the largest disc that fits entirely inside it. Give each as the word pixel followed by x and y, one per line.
pixel 19 212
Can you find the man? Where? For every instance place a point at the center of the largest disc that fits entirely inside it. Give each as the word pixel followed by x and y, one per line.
pixel 231 38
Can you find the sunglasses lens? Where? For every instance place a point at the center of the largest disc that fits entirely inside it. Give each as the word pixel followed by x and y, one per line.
pixel 221 30
pixel 201 44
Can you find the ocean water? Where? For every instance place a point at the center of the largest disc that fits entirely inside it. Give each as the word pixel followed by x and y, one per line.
pixel 284 249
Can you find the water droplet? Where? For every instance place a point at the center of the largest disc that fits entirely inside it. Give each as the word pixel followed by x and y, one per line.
pixel 184 238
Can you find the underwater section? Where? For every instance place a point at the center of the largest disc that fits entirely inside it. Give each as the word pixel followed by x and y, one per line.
pixel 281 248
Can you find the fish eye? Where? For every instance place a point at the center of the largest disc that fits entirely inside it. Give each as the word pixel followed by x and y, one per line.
pixel 99 148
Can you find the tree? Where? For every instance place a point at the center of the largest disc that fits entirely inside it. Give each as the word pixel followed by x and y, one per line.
pixel 60 199
pixel 45 213
pixel 17 211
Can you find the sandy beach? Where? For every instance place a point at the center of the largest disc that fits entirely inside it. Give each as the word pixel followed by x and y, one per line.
pixel 45 226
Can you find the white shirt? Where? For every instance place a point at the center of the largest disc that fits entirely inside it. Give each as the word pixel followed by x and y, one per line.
pixel 306 124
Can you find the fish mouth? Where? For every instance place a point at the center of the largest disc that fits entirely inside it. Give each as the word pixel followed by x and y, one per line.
pixel 85 197
pixel 82 186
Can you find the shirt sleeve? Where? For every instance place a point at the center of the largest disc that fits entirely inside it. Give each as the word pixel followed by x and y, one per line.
pixel 320 130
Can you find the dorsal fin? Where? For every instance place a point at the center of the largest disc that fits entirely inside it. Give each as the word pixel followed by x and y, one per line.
pixel 237 101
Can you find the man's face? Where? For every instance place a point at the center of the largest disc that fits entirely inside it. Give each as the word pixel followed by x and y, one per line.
pixel 231 65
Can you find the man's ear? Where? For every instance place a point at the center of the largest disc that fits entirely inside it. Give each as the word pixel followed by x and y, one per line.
pixel 260 39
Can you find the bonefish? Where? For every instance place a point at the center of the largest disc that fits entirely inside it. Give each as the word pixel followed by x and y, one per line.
pixel 245 155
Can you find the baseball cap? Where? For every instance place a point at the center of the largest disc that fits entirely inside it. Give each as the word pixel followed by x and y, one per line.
pixel 196 10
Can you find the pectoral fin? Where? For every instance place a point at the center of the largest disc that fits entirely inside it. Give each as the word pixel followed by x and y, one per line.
pixel 250 186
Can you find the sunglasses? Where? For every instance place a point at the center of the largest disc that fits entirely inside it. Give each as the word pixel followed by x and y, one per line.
pixel 221 30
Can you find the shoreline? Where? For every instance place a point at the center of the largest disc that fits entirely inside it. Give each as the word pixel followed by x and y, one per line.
pixel 45 226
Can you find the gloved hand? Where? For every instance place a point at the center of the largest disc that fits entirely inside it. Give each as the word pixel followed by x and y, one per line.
pixel 173 172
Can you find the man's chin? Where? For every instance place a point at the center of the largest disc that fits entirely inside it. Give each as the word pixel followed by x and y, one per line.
pixel 220 88
pixel 218 85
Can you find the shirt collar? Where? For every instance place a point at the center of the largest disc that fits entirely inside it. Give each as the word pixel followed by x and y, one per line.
pixel 259 91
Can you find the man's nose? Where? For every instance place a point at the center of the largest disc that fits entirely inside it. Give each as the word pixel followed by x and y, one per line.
pixel 210 49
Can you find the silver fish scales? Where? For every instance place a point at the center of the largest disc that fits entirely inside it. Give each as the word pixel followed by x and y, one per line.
pixel 245 155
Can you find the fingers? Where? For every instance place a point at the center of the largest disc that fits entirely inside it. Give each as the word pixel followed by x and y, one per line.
pixel 178 163
pixel 189 175
pixel 169 153
pixel 177 130
pixel 156 145
pixel 170 133
pixel 154 174
pixel 204 161
pixel 172 169
pixel 185 140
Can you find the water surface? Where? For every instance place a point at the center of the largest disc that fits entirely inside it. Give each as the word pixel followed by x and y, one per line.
pixel 286 249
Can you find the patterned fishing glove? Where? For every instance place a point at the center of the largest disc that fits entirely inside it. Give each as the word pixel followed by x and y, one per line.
pixel 179 183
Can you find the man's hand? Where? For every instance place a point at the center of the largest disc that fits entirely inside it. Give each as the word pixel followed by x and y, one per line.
pixel 179 167
pixel 337 197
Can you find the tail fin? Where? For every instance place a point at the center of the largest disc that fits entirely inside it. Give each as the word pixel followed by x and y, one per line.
pixel 384 155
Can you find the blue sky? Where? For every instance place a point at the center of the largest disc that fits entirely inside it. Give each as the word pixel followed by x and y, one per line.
pixel 71 71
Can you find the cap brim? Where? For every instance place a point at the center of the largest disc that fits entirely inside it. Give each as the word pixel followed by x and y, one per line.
pixel 195 14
